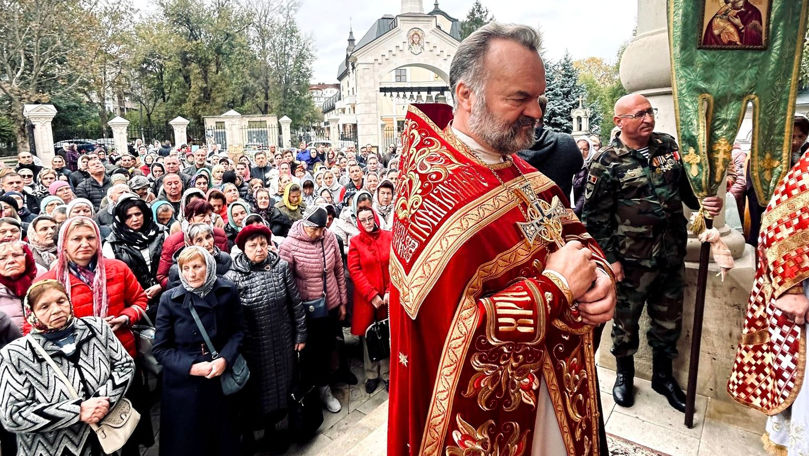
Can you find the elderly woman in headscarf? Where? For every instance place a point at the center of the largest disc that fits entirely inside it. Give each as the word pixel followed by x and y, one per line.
pixel 99 287
pixel 196 417
pixel 163 213
pixel 82 207
pixel 237 211
pixel 275 328
pixel 197 211
pixel 201 180
pixel 48 203
pixel 263 203
pixel 43 415
pixel 106 288
pixel 287 211
pixel 42 239
pixel 310 250
pixel 200 234
pixel 17 272
pixel 44 179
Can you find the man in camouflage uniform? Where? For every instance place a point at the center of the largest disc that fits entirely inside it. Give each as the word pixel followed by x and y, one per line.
pixel 633 207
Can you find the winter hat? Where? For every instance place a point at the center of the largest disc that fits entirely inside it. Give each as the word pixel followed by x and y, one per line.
pixel 56 185
pixel 251 231
pixel 6 198
pixel 315 217
pixel 138 182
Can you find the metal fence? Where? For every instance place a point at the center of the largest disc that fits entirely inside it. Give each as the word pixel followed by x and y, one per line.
pixel 389 137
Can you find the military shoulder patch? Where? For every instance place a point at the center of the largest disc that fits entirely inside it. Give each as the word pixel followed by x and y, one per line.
pixel 592 179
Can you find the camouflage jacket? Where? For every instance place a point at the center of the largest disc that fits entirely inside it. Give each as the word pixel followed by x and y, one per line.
pixel 633 206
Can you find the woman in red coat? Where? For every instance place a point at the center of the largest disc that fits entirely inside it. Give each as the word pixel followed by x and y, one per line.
pixel 368 260
pixel 106 288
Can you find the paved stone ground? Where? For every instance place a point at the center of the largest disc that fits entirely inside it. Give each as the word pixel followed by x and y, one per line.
pixel 721 427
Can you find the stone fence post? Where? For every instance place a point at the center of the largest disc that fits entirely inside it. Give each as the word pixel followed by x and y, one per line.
pixel 41 116
pixel 286 135
pixel 180 126
pixel 334 133
pixel 119 126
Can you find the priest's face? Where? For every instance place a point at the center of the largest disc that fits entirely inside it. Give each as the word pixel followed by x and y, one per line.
pixel 505 108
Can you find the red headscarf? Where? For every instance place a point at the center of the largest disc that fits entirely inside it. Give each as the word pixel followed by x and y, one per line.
pixel 19 285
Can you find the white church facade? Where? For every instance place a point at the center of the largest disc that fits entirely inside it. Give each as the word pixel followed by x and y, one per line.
pixel 400 60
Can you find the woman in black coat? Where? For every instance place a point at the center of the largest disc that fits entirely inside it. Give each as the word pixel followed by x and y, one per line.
pixel 196 418
pixel 275 324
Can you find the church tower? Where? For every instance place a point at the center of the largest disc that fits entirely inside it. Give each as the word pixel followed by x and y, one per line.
pixel 412 6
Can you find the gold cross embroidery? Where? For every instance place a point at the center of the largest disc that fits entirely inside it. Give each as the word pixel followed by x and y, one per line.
pixel 768 165
pixel 692 159
pixel 723 150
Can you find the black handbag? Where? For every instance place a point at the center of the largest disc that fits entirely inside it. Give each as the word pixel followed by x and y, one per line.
pixel 236 374
pixel 144 332
pixel 316 308
pixel 377 339
pixel 305 412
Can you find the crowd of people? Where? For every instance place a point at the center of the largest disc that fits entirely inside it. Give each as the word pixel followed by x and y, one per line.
pixel 273 252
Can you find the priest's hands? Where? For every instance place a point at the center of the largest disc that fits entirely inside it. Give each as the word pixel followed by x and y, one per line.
pixel 598 304
pixel 794 306
pixel 575 262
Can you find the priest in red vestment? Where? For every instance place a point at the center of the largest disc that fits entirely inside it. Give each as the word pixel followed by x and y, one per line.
pixel 496 284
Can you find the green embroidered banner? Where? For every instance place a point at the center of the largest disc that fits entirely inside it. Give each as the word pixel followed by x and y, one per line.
pixel 724 54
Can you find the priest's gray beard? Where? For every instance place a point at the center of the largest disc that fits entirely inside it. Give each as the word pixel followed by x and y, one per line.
pixel 503 137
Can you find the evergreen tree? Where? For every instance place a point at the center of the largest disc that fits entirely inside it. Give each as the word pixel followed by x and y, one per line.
pixel 478 17
pixel 563 92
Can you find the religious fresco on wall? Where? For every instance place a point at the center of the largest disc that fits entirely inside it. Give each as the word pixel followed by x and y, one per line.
pixel 415 40
pixel 735 24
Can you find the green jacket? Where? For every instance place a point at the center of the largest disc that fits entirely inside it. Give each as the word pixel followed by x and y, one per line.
pixel 633 206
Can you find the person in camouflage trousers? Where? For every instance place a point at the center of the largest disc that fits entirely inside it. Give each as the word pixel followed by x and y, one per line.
pixel 633 207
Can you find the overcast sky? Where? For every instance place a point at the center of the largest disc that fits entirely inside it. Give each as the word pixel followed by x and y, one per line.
pixel 585 28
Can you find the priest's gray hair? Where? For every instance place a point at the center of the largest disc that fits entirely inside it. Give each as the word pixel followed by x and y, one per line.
pixel 467 64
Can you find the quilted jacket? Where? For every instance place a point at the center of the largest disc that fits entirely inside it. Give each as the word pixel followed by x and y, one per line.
pixel 124 294
pixel 36 405
pixel 305 258
pixel 93 191
pixel 275 321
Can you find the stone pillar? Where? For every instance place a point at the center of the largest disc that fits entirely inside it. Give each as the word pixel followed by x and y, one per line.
pixel 233 129
pixel 646 69
pixel 41 116
pixel 367 110
pixel 119 126
pixel 179 125
pixel 286 135
pixel 334 130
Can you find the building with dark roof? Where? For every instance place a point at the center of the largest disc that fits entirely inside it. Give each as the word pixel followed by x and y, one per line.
pixel 398 60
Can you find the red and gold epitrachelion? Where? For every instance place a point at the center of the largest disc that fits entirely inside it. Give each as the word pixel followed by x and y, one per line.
pixel 771 357
pixel 475 326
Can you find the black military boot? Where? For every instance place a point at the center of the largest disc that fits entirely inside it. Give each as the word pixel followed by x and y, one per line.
pixel 624 389
pixel 663 382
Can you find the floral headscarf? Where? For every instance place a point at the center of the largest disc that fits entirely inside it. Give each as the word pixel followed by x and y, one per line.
pixel 65 267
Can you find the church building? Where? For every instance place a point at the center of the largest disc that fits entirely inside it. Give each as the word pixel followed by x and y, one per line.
pixel 400 60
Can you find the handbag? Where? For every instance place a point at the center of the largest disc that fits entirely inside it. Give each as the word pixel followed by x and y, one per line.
pixel 377 339
pixel 305 413
pixel 237 373
pixel 316 308
pixel 144 331
pixel 115 429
